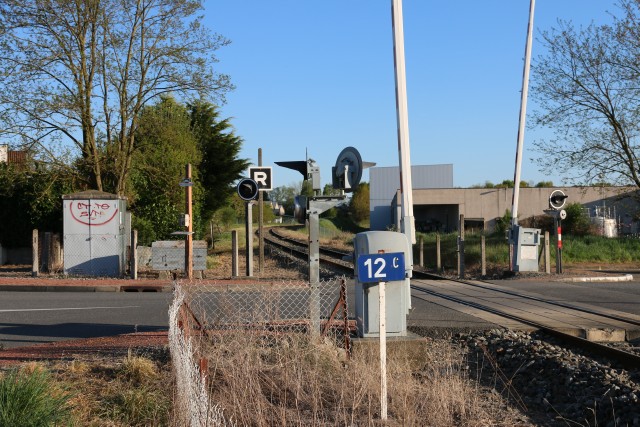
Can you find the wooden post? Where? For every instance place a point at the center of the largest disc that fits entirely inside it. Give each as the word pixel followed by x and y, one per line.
pixel 45 260
pixel 438 256
pixel 213 246
pixel 483 255
pixel 547 254
pixel 188 247
pixel 234 253
pixel 260 221
pixel 134 254
pixel 35 265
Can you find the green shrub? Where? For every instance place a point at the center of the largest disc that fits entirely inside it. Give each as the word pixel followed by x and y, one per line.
pixel 28 398
pixel 503 223
pixel 577 222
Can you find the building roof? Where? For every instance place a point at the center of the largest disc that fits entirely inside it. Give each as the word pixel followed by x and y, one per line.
pixel 92 194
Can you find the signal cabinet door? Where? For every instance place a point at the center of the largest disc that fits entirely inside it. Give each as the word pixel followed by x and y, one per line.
pixel 92 238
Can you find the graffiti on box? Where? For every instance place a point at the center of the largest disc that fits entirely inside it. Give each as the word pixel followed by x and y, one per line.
pixel 93 213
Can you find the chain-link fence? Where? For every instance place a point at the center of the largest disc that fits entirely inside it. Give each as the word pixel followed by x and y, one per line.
pixel 206 316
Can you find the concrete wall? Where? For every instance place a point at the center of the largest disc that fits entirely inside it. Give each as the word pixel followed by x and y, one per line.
pixel 384 182
pixel 17 256
pixel 437 207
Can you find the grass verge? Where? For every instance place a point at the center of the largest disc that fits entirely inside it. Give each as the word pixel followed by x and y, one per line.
pixel 294 380
pixel 116 392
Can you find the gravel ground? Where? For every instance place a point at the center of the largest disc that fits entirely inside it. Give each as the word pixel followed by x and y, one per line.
pixel 562 386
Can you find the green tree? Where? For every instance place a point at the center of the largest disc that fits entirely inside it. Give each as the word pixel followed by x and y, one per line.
pixel 328 190
pixel 586 86
pixel 507 183
pixel 307 188
pixel 30 198
pixel 544 184
pixel 166 145
pixel 79 74
pixel 220 166
pixel 359 204
pixel 284 196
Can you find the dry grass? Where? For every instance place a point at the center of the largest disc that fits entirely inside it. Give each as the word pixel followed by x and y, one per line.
pixel 115 392
pixel 293 380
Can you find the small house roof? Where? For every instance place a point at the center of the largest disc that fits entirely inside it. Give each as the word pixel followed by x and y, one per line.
pixel 92 194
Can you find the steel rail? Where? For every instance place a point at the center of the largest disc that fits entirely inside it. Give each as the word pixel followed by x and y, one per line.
pixel 419 274
pixel 626 359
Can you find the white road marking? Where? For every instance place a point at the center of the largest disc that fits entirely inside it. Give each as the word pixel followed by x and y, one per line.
pixel 63 309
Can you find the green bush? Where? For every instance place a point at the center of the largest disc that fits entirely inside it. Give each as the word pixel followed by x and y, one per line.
pixel 577 221
pixel 503 223
pixel 29 399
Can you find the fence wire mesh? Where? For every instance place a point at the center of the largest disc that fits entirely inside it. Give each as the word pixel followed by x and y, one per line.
pixel 211 320
pixel 269 307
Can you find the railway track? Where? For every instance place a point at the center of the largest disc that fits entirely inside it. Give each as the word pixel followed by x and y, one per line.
pixel 466 294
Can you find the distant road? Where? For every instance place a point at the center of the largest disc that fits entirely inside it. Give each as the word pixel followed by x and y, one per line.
pixel 28 318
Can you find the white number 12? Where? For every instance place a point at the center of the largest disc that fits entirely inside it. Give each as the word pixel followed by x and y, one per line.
pixel 378 274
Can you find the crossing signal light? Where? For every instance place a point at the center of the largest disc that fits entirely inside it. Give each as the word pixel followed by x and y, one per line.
pixel 557 199
pixel 248 189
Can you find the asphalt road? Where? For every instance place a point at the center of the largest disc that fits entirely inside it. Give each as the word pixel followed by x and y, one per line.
pixel 28 318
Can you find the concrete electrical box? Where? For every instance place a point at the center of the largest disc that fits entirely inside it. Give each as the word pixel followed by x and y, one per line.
pixel 398 293
pixel 95 234
pixel 525 248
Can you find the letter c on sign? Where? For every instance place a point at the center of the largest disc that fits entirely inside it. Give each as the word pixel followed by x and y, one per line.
pixel 395 262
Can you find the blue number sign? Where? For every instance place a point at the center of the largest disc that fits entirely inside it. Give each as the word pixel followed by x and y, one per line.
pixel 381 267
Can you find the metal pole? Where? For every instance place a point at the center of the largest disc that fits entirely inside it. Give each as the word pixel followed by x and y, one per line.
pixel 383 350
pixel 559 260
pixel 314 270
pixel 406 187
pixel 249 239
pixel 188 247
pixel 260 221
pixel 523 115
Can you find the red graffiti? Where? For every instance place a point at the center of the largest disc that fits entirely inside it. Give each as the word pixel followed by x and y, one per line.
pixel 93 213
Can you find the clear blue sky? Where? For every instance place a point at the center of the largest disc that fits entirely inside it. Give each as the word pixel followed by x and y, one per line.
pixel 318 76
